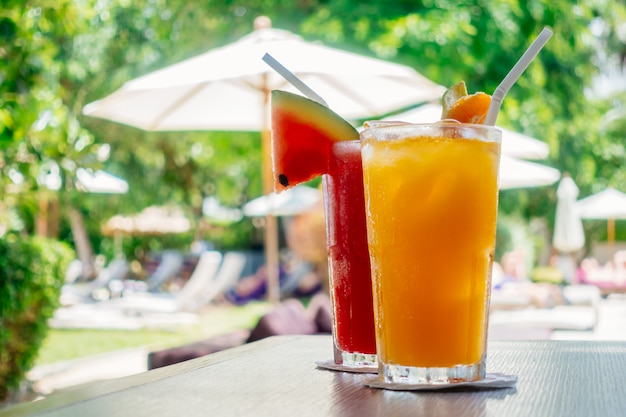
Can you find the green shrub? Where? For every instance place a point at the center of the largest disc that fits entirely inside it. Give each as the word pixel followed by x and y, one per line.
pixel 516 233
pixel 504 239
pixel 32 271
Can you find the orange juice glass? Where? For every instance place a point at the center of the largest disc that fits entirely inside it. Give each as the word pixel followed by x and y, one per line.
pixel 431 195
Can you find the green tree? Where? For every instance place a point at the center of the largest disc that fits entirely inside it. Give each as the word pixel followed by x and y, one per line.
pixel 39 129
pixel 32 271
pixel 62 55
pixel 479 41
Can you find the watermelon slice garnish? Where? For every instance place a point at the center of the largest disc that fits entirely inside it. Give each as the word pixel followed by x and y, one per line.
pixel 303 133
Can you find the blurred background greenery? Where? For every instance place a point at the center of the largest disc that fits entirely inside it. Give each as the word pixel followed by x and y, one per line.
pixel 58 55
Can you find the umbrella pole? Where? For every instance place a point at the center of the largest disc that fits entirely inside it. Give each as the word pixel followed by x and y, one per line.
pixel 271 254
pixel 271 224
pixel 117 244
pixel 611 236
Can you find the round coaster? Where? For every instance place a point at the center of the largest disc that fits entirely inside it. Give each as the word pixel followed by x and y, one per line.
pixel 491 381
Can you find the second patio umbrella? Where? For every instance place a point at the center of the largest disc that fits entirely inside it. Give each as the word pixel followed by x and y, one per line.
pixel 288 203
pixel 152 220
pixel 514 172
pixel 228 88
pixel 518 173
pixel 514 144
pixel 610 205
pixel 568 230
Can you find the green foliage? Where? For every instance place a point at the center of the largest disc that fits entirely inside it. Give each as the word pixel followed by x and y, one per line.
pixel 479 41
pixel 32 271
pixel 57 56
pixel 516 233
pixel 504 240
pixel 38 125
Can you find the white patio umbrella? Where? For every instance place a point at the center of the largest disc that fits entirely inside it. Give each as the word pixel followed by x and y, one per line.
pixel 514 172
pixel 518 173
pixel 288 203
pixel 608 205
pixel 513 143
pixel 153 220
pixel 568 236
pixel 216 212
pixel 568 229
pixel 228 88
pixel 100 182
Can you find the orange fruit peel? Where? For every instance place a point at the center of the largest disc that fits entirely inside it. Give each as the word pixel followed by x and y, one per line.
pixel 458 105
pixel 451 96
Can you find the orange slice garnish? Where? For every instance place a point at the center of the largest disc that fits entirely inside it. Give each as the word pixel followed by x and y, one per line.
pixel 472 108
pixel 451 96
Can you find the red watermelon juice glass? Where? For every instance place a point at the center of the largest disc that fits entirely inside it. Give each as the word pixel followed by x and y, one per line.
pixel 348 257
pixel 308 140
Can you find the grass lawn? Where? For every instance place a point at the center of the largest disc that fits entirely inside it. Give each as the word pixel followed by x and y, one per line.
pixel 62 345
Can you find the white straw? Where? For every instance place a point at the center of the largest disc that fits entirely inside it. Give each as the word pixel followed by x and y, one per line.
pixel 291 77
pixel 514 74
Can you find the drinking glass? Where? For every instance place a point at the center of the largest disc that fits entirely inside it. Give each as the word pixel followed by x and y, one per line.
pixel 348 256
pixel 431 194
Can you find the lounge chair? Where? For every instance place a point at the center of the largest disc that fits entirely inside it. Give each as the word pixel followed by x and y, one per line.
pixel 580 313
pixel 74 271
pixel 609 278
pixel 292 281
pixel 213 274
pixel 87 292
pixel 230 271
pixel 203 276
pixel 144 309
pixel 546 319
pixel 171 263
pixel 606 285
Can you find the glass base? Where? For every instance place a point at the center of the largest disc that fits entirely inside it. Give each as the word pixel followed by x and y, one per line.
pixel 355 359
pixel 414 375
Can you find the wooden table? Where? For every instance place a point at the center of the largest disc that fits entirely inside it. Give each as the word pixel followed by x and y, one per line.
pixel 277 377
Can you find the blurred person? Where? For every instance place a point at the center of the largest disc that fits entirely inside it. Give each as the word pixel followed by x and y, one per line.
pixel 305 235
pixel 619 264
pixel 609 274
pixel 510 277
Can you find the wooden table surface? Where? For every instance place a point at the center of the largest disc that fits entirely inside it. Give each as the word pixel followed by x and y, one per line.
pixel 277 377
